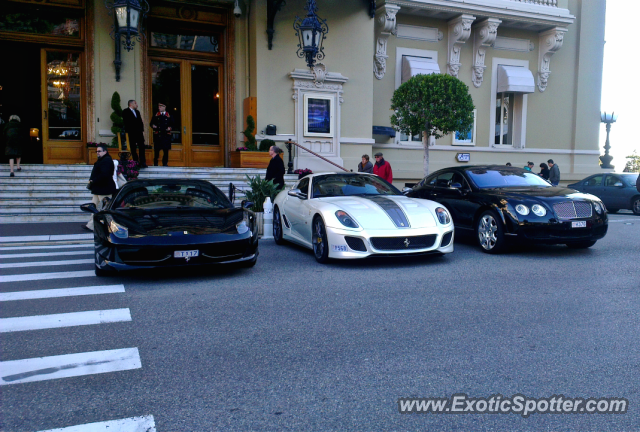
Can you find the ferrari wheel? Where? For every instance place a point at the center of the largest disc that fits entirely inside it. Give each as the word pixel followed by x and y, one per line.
pixel 319 241
pixel 581 245
pixel 490 233
pixel 635 206
pixel 277 226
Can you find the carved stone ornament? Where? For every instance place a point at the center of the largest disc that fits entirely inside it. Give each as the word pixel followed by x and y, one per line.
pixel 550 42
pixel 485 36
pixel 459 32
pixel 320 73
pixel 385 27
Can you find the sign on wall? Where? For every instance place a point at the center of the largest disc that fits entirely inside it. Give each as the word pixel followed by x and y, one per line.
pixel 463 157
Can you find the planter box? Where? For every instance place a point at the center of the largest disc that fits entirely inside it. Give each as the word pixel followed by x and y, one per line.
pixel 260 223
pixel 249 159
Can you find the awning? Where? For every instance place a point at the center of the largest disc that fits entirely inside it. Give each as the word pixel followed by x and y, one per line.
pixel 412 66
pixel 515 79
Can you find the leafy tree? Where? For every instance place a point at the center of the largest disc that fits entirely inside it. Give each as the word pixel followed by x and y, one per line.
pixel 116 117
pixel 633 163
pixel 260 190
pixel 250 138
pixel 435 105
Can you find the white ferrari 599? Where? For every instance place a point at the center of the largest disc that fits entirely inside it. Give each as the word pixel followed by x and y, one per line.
pixel 355 215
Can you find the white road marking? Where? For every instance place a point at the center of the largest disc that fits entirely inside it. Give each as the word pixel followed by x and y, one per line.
pixel 45 254
pixel 70 246
pixel 47 263
pixel 61 292
pixel 46 238
pixel 71 319
pixel 43 276
pixel 132 424
pixel 623 220
pixel 68 365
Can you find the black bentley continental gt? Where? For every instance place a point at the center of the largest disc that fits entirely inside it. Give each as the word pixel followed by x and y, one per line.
pixel 501 205
pixel 170 223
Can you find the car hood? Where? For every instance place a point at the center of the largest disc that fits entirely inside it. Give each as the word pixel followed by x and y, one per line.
pixel 159 222
pixel 550 195
pixel 377 212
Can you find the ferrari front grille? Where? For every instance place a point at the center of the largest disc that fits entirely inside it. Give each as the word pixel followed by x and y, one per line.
pixel 573 210
pixel 403 243
pixel 356 244
pixel 446 239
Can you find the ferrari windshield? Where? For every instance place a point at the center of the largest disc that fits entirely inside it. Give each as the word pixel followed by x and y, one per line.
pixel 173 196
pixel 331 185
pixel 487 178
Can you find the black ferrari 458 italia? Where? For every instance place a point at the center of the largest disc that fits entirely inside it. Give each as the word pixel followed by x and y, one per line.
pixel 167 223
pixel 501 204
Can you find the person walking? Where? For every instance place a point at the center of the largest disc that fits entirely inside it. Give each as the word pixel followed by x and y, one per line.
pixel 275 170
pixel 529 166
pixel 14 140
pixel 365 166
pixel 554 173
pixel 162 124
pixel 134 127
pixel 101 183
pixel 544 171
pixel 382 168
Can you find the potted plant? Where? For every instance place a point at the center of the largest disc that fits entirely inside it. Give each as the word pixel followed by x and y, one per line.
pixel 259 190
pixel 251 155
pixel 303 172
pixel 129 169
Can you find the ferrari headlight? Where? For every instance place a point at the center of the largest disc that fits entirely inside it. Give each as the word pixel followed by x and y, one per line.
pixel 346 220
pixel 522 209
pixel 598 207
pixel 538 210
pixel 116 229
pixel 243 225
pixel 443 216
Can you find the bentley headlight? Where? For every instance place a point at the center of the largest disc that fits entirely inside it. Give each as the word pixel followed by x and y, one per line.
pixel 443 216
pixel 346 220
pixel 538 210
pixel 522 209
pixel 598 207
pixel 116 229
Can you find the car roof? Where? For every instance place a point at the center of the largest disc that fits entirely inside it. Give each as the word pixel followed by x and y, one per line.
pixel 341 173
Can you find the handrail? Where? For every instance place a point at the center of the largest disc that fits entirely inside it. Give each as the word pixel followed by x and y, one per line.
pixel 288 143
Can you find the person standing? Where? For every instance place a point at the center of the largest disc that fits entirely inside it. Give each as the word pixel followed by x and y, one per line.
pixel 529 166
pixel 101 182
pixel 382 168
pixel 134 127
pixel 554 173
pixel 275 170
pixel 544 171
pixel 14 140
pixel 365 166
pixel 161 124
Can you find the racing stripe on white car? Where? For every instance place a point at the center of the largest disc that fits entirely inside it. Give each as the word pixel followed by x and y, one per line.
pixel 392 209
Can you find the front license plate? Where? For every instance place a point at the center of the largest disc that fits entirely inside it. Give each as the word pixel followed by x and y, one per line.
pixel 186 254
pixel 579 224
pixel 340 248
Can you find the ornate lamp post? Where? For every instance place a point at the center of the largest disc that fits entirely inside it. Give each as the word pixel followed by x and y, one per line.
pixel 129 15
pixel 606 159
pixel 311 31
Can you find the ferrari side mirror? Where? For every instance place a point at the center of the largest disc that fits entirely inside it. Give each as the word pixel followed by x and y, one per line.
pixel 89 208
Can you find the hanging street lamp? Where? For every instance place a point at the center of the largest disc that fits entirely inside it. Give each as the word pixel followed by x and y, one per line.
pixel 311 31
pixel 606 159
pixel 129 15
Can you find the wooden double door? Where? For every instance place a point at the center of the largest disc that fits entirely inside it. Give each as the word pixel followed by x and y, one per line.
pixel 192 93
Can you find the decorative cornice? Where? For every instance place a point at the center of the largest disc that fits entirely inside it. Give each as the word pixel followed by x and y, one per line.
pixel 513 44
pixel 385 27
pixel 306 79
pixel 486 33
pixel 428 34
pixel 459 32
pixel 550 42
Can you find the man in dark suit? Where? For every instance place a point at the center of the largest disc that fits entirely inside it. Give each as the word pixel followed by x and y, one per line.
pixel 161 123
pixel 134 126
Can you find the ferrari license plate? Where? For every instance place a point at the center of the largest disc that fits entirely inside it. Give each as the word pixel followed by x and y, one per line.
pixel 186 254
pixel 579 224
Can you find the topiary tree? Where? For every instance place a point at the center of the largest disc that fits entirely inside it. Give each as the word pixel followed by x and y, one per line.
pixel 116 117
pixel 266 144
pixel 435 105
pixel 250 139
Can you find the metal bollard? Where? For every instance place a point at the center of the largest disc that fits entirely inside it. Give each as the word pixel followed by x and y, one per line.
pixel 268 219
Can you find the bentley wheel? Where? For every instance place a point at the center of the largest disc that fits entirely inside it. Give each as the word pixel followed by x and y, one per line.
pixel 490 233
pixel 581 245
pixel 635 206
pixel 319 241
pixel 277 226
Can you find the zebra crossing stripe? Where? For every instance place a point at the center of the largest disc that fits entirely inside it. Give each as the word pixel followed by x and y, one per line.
pixel 68 365
pixel 43 276
pixel 47 263
pixel 45 254
pixel 71 319
pixel 63 246
pixel 61 292
pixel 132 424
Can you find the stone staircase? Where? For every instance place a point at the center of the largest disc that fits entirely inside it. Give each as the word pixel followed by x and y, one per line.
pixel 54 193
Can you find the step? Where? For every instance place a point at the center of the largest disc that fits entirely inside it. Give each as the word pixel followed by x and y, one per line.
pixel 45 217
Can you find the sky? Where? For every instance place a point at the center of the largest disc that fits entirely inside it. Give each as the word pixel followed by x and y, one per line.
pixel 620 80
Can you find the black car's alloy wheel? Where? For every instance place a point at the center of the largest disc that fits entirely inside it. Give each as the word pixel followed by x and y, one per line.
pixel 319 241
pixel 635 206
pixel 490 232
pixel 277 226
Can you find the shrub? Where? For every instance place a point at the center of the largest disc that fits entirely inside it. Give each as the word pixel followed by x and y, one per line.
pixel 116 117
pixel 260 190
pixel 266 144
pixel 248 134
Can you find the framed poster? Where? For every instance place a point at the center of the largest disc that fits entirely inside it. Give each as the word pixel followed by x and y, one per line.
pixel 318 115
pixel 470 138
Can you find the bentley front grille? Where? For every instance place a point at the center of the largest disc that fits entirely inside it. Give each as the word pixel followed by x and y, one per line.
pixel 403 243
pixel 573 210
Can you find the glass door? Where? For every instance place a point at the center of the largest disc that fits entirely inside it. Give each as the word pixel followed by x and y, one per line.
pixel 166 88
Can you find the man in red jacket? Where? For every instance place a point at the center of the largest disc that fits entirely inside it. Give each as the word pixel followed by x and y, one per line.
pixel 382 168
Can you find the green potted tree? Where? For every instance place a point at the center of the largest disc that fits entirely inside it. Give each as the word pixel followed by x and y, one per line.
pixel 259 190
pixel 252 155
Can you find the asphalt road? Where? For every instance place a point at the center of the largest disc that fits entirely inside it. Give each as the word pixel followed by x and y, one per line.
pixel 294 345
